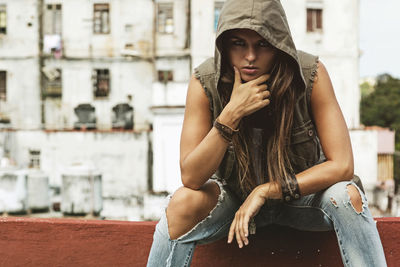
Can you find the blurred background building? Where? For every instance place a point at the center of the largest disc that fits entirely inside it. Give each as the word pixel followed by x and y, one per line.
pixel 96 90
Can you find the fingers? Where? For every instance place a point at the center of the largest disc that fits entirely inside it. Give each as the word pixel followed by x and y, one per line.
pixel 239 230
pixel 265 94
pixel 232 231
pixel 261 79
pixel 246 230
pixel 262 87
pixel 243 236
pixel 238 237
pixel 238 78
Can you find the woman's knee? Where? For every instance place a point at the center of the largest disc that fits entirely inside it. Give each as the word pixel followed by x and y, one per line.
pixel 189 203
pixel 343 193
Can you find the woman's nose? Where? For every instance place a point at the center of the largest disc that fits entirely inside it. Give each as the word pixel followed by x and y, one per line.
pixel 251 54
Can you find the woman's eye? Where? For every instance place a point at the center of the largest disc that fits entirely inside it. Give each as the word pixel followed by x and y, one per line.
pixel 265 44
pixel 238 43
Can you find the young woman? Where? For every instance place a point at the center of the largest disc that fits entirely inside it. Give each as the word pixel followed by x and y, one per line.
pixel 263 141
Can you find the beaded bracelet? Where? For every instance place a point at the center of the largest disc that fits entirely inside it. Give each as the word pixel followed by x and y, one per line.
pixel 287 194
pixel 225 131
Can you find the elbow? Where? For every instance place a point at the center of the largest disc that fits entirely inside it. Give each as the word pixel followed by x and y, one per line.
pixel 347 171
pixel 189 181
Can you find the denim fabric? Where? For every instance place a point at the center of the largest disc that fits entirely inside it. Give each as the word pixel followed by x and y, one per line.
pixel 330 209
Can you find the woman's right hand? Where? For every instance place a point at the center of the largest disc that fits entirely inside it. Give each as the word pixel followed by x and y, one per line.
pixel 249 97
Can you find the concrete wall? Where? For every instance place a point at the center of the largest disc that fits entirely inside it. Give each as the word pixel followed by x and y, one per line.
pixel 365 151
pixel 202 28
pixel 337 47
pixel 23 95
pixel 172 93
pixel 19 57
pixel 121 157
pixel 131 22
pixel 21 39
pixel 61 242
pixel 127 78
pixel 167 128
pixel 175 43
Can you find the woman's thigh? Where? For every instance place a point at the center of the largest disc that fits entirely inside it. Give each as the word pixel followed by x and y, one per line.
pixel 315 212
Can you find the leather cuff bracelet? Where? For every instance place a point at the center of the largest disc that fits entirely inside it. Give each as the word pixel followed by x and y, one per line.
pixel 293 194
pixel 225 131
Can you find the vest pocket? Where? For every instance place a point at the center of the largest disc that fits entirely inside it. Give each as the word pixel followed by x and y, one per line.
pixel 304 147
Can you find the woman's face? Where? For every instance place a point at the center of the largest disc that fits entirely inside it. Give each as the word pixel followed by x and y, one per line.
pixel 250 53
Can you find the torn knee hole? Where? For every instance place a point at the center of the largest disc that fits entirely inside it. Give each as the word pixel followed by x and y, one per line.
pixel 334 202
pixel 355 198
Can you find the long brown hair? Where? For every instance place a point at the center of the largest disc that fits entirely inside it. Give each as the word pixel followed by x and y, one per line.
pixel 283 98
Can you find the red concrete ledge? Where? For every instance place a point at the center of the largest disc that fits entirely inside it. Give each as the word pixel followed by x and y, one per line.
pixel 68 242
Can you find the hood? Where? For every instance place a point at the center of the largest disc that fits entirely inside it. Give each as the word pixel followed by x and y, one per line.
pixel 267 18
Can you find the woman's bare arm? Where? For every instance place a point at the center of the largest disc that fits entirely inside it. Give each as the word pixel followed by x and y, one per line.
pixel 202 147
pixel 335 140
pixel 334 136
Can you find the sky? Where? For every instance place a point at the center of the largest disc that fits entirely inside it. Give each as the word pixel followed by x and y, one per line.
pixel 380 37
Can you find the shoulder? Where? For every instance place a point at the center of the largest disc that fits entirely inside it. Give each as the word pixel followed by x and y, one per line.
pixel 207 67
pixel 307 60
pixel 205 73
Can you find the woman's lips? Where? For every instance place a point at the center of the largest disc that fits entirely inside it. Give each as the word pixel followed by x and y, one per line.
pixel 249 71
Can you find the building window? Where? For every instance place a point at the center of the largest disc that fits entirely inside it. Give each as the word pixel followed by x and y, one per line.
pixel 3 19
pixel 101 82
pixel 101 19
pixel 52 18
pixel 165 18
pixel 314 19
pixel 52 82
pixel 165 76
pixel 217 10
pixel 52 30
pixel 3 85
pixel 34 159
pixel 385 167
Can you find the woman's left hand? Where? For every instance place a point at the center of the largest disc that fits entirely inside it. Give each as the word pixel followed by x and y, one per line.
pixel 249 209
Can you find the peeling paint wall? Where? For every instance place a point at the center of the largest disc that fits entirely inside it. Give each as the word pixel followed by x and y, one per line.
pixel 202 28
pixel 121 157
pixel 23 94
pixel 19 58
pixel 131 26
pixel 167 133
pixel 172 44
pixel 126 79
pixel 365 150
pixel 337 47
pixel 131 22
pixel 22 36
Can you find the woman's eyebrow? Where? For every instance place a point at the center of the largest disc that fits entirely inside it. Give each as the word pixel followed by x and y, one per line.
pixel 236 37
pixel 242 39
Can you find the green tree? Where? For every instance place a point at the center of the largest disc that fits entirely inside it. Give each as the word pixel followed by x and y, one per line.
pixel 382 107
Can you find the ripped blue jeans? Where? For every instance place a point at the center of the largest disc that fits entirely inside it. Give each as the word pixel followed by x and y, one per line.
pixel 330 209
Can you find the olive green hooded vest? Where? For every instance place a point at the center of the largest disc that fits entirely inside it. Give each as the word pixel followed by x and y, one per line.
pixel 268 19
